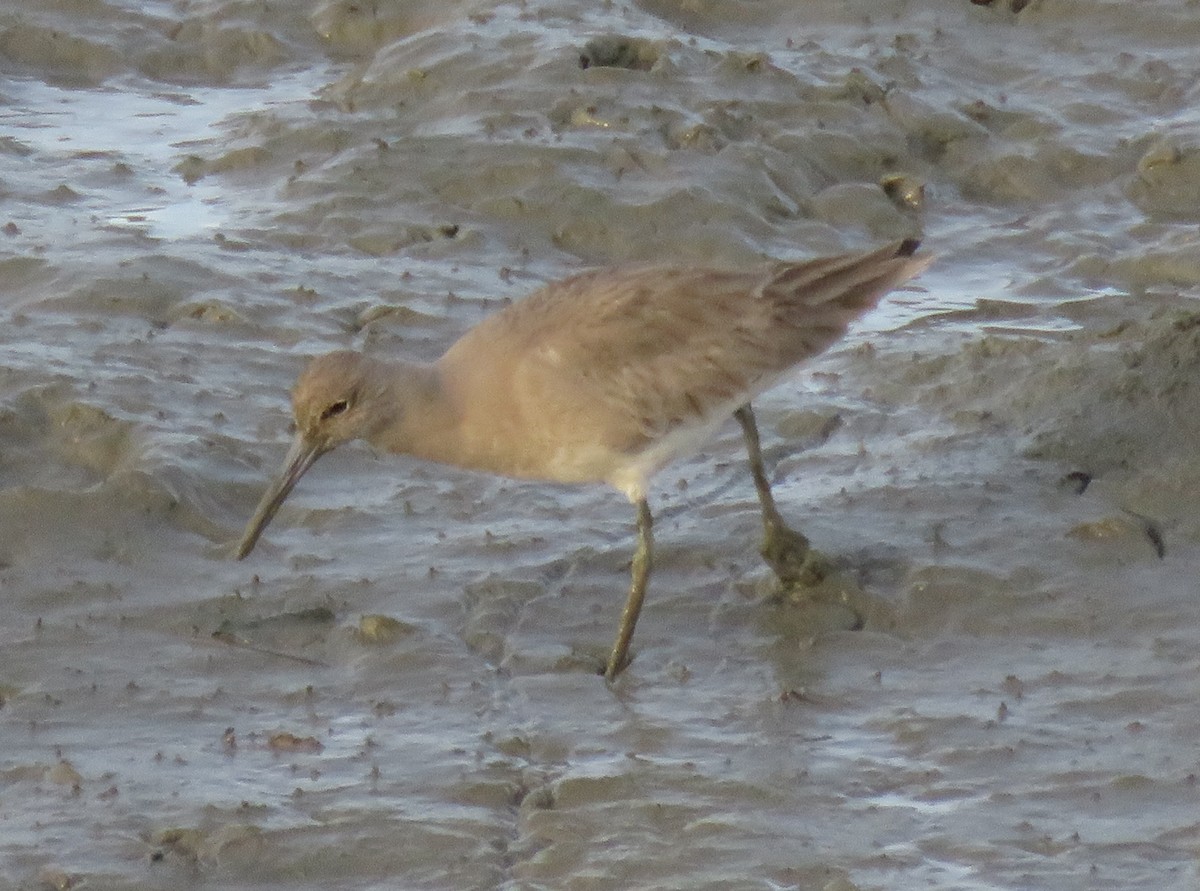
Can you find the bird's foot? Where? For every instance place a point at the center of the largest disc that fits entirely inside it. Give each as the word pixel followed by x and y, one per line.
pixel 793 560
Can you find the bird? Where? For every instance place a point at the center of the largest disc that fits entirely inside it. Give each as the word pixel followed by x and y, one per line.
pixel 606 376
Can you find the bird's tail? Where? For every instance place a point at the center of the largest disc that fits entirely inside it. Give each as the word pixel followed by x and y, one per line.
pixel 848 284
pixel 816 301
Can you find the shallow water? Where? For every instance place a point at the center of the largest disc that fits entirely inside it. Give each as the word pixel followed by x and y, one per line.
pixel 196 196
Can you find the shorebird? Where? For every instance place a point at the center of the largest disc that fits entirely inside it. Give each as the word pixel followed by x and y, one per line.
pixel 606 376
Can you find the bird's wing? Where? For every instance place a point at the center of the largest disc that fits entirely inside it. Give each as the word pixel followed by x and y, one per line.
pixel 645 349
pixel 619 357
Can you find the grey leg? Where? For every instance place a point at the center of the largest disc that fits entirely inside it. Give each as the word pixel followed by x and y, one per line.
pixel 785 550
pixel 637 592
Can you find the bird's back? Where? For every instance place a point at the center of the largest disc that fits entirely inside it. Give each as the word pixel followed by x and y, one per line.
pixel 592 370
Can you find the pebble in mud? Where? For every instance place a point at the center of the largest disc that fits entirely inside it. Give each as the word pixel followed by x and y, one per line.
pixel 378 629
pixel 616 51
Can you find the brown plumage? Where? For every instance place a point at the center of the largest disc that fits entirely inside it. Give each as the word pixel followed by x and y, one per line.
pixel 606 376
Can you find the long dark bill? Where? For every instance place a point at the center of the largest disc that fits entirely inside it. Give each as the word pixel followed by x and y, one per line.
pixel 299 458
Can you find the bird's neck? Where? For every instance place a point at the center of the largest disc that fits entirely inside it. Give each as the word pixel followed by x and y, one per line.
pixel 417 417
pixel 440 414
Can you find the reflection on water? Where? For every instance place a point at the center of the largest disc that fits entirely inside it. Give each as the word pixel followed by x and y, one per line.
pixel 104 142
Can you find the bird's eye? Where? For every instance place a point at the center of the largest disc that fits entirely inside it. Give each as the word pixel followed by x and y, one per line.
pixel 335 409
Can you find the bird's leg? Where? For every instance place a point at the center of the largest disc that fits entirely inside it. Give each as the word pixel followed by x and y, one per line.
pixel 785 550
pixel 637 592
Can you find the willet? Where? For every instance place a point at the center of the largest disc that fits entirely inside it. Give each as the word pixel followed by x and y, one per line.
pixel 606 376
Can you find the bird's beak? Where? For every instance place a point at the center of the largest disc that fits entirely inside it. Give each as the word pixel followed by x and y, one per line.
pixel 299 458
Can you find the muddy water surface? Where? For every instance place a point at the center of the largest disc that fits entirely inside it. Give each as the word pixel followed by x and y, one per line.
pixel 397 689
